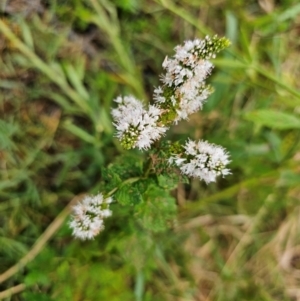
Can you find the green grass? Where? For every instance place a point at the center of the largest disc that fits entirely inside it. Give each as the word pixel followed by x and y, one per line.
pixel 60 69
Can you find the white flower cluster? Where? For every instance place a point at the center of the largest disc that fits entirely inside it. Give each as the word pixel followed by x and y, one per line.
pixel 202 160
pixel 87 219
pixel 136 126
pixel 182 93
pixel 185 75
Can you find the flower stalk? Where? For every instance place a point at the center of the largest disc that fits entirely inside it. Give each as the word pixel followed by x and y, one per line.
pixel 183 91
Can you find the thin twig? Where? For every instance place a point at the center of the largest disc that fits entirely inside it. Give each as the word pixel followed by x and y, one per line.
pixel 41 242
pixel 13 290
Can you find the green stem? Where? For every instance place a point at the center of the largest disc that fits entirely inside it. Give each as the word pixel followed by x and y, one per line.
pixel 148 168
pixel 278 81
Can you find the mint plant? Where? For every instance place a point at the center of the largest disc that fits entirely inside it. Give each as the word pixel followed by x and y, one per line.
pixel 145 186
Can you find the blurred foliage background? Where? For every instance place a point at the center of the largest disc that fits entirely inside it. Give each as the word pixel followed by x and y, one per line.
pixel 62 63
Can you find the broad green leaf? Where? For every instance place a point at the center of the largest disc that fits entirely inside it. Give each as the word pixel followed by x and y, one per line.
pixel 111 178
pixel 168 181
pixel 131 194
pixel 274 119
pixel 121 170
pixel 128 195
pixel 157 211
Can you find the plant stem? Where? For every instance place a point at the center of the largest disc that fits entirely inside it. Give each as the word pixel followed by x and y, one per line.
pixel 278 81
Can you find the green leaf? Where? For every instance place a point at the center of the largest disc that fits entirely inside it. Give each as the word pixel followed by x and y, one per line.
pixel 79 132
pixel 128 195
pixel 274 119
pixel 290 13
pixel 123 168
pixel 131 194
pixel 288 178
pixel 36 297
pixel 110 178
pixel 12 247
pixel 37 277
pixel 157 211
pixel 168 181
pixel 76 80
pixel 7 130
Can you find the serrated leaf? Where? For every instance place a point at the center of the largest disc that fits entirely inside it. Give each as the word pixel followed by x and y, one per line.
pixel 158 209
pixel 123 168
pixel 128 195
pixel 168 181
pixel 274 119
pixel 143 185
pixel 131 194
pixel 111 178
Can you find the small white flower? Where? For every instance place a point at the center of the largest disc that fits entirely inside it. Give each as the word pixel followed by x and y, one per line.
pixel 182 93
pixel 202 160
pixel 186 72
pixel 136 126
pixel 157 95
pixel 87 218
